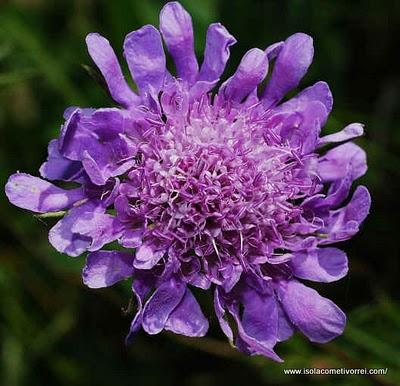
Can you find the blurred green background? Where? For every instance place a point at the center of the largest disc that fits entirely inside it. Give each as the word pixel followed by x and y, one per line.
pixel 54 331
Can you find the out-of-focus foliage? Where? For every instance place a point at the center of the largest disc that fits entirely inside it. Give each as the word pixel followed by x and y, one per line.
pixel 53 331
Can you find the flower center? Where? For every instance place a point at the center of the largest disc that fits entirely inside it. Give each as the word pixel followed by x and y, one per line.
pixel 212 183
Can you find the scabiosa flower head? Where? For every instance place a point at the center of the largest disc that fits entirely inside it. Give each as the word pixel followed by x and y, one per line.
pixel 228 190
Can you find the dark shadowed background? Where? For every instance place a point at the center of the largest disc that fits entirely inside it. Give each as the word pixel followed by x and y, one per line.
pixel 54 331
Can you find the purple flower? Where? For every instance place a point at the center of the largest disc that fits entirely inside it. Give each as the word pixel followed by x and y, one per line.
pixel 231 190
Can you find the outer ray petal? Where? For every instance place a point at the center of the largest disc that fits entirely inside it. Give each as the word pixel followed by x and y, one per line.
pixel 144 53
pixel 322 265
pixel 216 54
pixel 337 162
pixel 84 228
pixel 105 268
pixel 345 222
pixel 103 55
pixel 315 316
pixel 351 131
pixel 187 318
pixel 161 304
pixel 291 65
pixel 177 30
pixel 37 195
pixel 58 167
pixel 251 71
